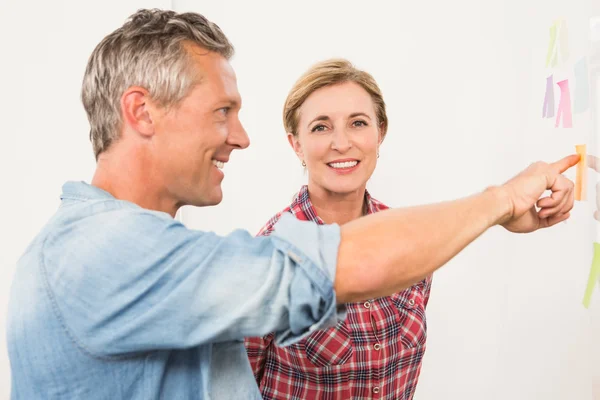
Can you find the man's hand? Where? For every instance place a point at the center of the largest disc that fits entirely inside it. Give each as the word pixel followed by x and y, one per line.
pixel 524 192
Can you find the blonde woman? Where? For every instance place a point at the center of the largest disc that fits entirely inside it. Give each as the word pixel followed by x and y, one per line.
pixel 336 120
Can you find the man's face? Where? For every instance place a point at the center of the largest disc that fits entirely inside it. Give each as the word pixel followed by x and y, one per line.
pixel 194 139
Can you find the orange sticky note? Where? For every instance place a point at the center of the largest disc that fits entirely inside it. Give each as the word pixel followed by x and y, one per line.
pixel 581 178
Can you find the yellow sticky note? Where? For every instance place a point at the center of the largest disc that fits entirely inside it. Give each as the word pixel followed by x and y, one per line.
pixel 558 48
pixel 581 178
pixel 552 50
pixel 594 274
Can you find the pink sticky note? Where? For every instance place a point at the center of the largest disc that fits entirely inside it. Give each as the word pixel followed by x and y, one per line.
pixel 548 110
pixel 564 106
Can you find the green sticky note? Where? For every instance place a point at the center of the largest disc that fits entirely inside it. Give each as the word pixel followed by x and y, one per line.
pixel 594 274
pixel 552 50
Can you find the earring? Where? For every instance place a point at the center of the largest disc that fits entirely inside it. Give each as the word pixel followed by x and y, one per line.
pixel 377 154
pixel 303 164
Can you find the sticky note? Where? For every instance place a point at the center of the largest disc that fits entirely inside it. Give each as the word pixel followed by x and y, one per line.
pixel 582 87
pixel 548 109
pixel 551 56
pixel 564 106
pixel 558 47
pixel 594 274
pixel 581 177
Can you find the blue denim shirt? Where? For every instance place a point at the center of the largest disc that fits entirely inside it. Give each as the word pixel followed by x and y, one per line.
pixel 113 301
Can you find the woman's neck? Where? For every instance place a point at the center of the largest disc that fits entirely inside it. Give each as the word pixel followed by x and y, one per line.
pixel 337 208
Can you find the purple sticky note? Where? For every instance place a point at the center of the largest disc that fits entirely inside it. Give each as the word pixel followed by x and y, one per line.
pixel 548 111
pixel 582 87
pixel 564 106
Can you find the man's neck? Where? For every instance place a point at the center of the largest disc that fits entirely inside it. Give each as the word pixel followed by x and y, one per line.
pixel 132 179
pixel 336 208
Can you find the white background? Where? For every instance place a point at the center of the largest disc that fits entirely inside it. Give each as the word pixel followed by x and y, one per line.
pixel 464 83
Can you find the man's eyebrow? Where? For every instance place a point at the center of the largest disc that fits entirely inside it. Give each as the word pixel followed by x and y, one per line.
pixel 233 103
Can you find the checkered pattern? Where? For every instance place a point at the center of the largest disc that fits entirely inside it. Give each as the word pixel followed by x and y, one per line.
pixel 375 353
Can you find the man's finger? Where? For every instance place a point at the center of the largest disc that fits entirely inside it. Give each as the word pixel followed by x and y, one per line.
pixel 548 202
pixel 552 201
pixel 559 208
pixel 558 218
pixel 553 220
pixel 570 202
pixel 566 163
pixel 561 186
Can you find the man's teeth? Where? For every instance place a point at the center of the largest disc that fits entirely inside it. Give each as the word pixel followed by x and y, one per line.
pixel 347 164
pixel 218 164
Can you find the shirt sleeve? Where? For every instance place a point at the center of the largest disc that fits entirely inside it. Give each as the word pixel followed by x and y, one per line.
pixel 258 347
pixel 129 281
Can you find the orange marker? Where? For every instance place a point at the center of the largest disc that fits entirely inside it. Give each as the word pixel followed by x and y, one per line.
pixel 581 178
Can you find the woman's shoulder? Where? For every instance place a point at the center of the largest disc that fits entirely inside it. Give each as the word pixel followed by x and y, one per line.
pixel 268 228
pixel 295 208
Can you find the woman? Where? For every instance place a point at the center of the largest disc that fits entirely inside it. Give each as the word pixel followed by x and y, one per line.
pixel 336 120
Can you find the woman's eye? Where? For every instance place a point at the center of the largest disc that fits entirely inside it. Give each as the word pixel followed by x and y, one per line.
pixel 359 123
pixel 318 128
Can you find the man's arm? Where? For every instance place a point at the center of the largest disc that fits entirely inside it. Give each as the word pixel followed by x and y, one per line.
pixel 127 280
pixel 391 250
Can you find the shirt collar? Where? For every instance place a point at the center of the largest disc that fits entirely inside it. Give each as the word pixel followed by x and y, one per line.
pixel 73 190
pixel 302 203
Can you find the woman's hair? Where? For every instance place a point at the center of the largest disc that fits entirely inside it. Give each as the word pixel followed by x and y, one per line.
pixel 328 73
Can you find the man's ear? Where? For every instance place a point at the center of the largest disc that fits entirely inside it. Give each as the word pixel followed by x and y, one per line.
pixel 136 110
pixel 295 143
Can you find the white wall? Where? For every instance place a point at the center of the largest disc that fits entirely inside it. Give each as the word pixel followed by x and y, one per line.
pixel 464 83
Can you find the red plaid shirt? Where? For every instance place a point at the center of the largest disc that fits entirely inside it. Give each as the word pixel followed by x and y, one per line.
pixel 375 353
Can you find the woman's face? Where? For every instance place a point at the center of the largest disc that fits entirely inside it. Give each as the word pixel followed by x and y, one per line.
pixel 338 137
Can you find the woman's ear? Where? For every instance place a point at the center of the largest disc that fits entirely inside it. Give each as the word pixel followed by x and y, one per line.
pixel 295 143
pixel 382 130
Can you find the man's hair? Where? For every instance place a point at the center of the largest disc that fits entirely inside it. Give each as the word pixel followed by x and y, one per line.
pixel 147 51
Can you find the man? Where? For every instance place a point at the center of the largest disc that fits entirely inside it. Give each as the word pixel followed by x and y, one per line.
pixel 114 299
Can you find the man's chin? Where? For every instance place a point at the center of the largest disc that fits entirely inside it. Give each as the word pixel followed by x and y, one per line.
pixel 212 199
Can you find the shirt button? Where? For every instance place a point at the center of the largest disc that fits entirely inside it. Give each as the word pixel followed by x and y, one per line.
pixel 376 389
pixel 411 302
pixel 377 346
pixel 367 304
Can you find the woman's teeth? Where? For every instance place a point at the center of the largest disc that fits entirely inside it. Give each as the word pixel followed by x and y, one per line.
pixel 347 164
